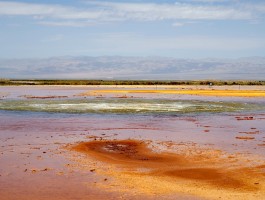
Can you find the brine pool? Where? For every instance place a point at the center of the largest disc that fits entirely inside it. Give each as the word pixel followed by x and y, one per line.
pixel 130 106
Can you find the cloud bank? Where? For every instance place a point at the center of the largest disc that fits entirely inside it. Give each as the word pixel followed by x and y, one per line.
pixel 102 12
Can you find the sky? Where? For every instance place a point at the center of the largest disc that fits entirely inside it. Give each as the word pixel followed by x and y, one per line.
pixel 179 28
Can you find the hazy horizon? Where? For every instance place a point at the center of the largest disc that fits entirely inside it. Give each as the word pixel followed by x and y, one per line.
pixel 133 68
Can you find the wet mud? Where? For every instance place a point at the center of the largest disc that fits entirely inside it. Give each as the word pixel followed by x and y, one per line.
pixel 200 175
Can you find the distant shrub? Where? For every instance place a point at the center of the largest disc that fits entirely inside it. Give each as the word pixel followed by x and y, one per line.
pixel 125 82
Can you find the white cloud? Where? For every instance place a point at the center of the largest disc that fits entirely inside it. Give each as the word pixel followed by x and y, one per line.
pixel 257 7
pixel 209 1
pixel 115 11
pixel 153 11
pixel 66 23
pixel 177 24
pixel 46 10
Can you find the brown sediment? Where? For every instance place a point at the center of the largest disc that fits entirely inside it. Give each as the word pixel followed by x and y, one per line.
pixel 215 177
pixel 245 118
pixel 123 97
pixel 250 132
pixel 42 97
pixel 125 128
pixel 261 166
pixel 128 151
pixel 245 138
pixel 135 166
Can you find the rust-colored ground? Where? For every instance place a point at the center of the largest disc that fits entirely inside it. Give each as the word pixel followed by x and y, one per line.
pixel 135 167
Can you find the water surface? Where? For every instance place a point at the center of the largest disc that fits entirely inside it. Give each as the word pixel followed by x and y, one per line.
pixel 128 106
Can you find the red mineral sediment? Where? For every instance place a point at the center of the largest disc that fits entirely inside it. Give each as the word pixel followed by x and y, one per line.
pixel 245 138
pixel 203 171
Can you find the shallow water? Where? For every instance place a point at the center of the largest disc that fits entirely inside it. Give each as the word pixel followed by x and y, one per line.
pixel 129 106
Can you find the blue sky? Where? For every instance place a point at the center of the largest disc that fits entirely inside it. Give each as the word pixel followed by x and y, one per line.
pixel 181 29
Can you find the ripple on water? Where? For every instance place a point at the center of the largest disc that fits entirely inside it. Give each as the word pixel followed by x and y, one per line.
pixel 126 106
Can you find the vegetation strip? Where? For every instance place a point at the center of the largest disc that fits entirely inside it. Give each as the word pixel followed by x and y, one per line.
pixel 130 82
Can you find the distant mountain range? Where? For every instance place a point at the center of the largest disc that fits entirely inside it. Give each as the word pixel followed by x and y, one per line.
pixel 133 68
